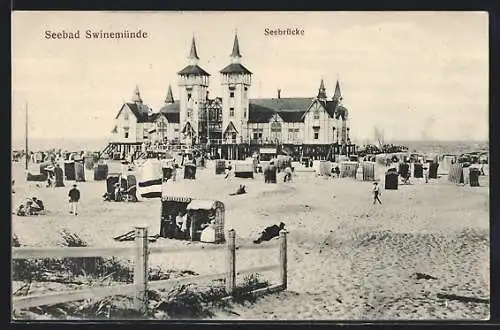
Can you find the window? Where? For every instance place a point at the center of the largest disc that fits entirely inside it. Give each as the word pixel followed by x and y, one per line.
pixel 189 95
pixel 316 113
pixel 231 112
pixel 125 131
pixel 245 113
pixel 189 113
pixel 257 133
pixel 293 134
pixel 125 115
pixel 176 130
pixel 231 94
pixel 316 133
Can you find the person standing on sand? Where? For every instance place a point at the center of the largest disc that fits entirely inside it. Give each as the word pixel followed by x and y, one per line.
pixel 376 193
pixel 74 198
pixel 426 174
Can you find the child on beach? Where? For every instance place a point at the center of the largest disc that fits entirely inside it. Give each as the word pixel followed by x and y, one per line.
pixel 376 193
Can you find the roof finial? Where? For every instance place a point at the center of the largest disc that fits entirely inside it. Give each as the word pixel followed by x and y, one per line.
pixel 137 95
pixel 322 90
pixel 170 97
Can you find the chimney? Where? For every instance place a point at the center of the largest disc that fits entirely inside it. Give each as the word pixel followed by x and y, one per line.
pixel 279 93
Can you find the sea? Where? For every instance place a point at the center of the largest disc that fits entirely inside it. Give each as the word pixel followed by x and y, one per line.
pixel 98 144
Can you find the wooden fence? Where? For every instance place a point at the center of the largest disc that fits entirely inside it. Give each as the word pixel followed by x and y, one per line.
pixel 141 285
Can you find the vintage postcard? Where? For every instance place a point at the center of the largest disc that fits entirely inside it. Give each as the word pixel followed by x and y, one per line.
pixel 250 166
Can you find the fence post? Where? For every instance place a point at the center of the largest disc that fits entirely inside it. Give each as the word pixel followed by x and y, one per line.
pixel 231 262
pixel 283 259
pixel 141 269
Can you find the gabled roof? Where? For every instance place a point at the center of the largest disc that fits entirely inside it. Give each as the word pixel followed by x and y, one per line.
pixel 187 127
pixel 140 111
pixel 193 70
pixel 171 117
pixel 289 109
pixel 235 68
pixel 329 107
pixel 231 127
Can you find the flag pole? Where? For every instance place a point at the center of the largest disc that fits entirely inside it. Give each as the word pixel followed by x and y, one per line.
pixel 26 137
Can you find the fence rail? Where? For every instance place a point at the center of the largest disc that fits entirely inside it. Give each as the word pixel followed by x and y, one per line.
pixel 141 252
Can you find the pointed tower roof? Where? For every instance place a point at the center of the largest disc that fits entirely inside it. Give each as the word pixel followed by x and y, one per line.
pixel 322 90
pixel 236 47
pixel 337 95
pixel 137 95
pixel 235 67
pixel 193 69
pixel 170 97
pixel 193 54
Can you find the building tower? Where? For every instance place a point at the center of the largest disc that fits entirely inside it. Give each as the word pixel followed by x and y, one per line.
pixel 193 86
pixel 236 80
pixel 341 115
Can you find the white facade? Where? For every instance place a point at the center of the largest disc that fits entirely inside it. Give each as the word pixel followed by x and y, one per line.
pixel 235 105
pixel 127 127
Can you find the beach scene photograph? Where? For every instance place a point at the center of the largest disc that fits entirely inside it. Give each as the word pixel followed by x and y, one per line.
pixel 318 166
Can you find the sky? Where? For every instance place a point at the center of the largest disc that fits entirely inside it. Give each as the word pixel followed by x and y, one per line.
pixel 415 76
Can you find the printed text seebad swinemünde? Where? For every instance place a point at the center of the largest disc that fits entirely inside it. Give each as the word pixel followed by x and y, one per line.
pixel 96 34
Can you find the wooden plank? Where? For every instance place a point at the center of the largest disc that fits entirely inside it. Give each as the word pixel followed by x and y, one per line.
pixel 283 259
pixel 261 246
pixel 216 247
pixel 185 249
pixel 74 295
pixel 206 278
pixel 231 262
pixel 141 269
pixel 259 292
pixel 71 252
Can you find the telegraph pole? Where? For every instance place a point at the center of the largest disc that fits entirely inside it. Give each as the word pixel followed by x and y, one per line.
pixel 26 137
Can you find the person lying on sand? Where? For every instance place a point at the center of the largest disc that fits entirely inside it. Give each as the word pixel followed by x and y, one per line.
pixel 269 233
pixel 241 190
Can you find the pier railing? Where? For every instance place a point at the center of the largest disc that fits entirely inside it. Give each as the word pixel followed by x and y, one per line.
pixel 141 252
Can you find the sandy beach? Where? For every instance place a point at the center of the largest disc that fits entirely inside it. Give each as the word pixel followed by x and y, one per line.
pixel 348 259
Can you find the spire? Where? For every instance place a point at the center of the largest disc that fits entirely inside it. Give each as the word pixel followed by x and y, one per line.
pixel 236 47
pixel 235 54
pixel 137 95
pixel 337 95
pixel 322 90
pixel 193 54
pixel 170 96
